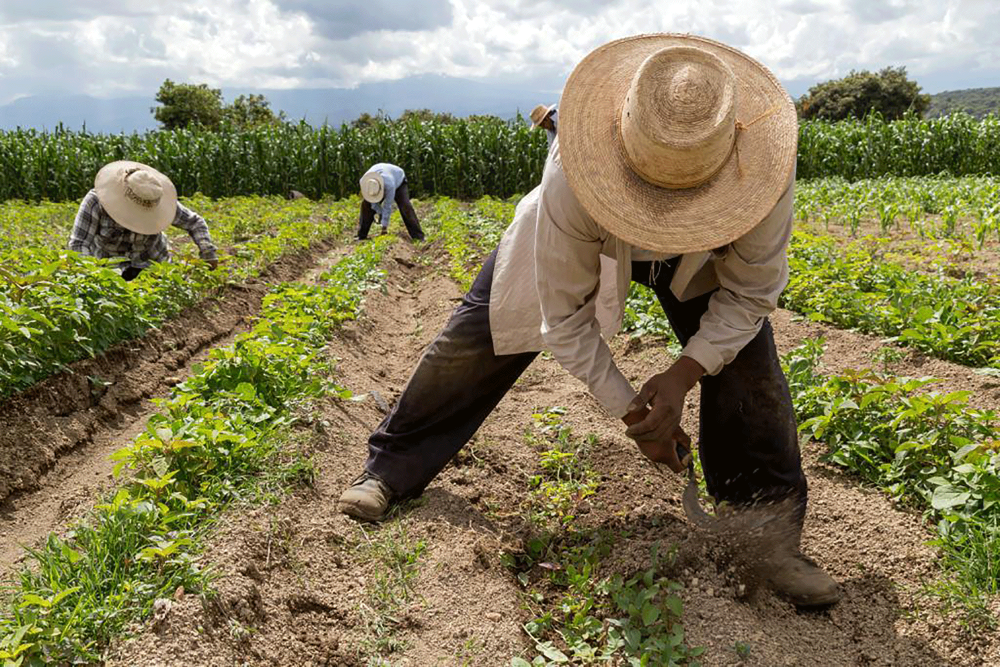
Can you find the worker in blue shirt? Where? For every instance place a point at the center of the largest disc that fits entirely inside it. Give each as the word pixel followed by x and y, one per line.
pixel 382 185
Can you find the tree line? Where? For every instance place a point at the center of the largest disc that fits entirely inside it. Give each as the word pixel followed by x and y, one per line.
pixel 888 92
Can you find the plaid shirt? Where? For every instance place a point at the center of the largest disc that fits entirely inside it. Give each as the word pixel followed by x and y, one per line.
pixel 96 234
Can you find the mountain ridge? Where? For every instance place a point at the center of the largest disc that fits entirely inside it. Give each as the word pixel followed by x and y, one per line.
pixel 439 93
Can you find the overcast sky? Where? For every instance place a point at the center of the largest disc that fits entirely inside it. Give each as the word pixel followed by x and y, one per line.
pixel 111 48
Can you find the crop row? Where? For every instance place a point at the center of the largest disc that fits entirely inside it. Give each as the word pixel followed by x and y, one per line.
pixel 467 158
pixel 217 439
pixel 926 449
pixel 852 287
pixel 954 203
pixel 468 233
pixel 57 307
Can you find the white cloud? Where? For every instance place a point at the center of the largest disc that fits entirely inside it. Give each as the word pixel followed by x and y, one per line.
pixel 108 47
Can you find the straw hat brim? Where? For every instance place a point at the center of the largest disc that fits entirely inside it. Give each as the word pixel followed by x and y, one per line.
pixel 379 193
pixel 709 216
pixel 110 189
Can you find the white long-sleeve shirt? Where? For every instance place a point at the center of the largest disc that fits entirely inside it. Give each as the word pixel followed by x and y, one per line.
pixel 561 280
pixel 392 178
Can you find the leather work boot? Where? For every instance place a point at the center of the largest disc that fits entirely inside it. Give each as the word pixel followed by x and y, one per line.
pixel 802 581
pixel 366 498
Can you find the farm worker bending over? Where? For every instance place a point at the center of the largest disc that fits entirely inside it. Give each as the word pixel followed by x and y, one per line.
pixel 125 216
pixel 382 185
pixel 547 118
pixel 675 168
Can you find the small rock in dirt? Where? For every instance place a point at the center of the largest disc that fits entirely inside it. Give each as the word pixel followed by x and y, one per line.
pixel 493 616
pixel 161 607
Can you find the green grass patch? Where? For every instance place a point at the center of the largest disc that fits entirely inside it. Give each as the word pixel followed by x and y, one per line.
pixel 581 614
pixel 397 560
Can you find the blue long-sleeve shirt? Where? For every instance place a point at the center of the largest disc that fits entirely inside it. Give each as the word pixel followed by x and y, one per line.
pixel 392 178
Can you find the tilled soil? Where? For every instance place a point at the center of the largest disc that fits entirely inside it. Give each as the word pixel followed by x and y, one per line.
pixel 296 581
pixel 55 437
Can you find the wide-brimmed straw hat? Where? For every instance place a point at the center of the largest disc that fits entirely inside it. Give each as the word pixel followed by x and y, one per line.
pixel 676 143
pixel 136 196
pixel 372 187
pixel 540 113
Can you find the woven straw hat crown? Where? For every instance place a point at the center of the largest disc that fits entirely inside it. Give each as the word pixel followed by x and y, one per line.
pixel 136 196
pixel 676 143
pixel 372 187
pixel 678 121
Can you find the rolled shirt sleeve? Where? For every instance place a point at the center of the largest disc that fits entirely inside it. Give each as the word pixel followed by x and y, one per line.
pixel 568 247
pixel 751 276
pixel 197 228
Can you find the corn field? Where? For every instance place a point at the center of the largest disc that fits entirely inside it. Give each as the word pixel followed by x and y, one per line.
pixel 957 145
pixel 466 159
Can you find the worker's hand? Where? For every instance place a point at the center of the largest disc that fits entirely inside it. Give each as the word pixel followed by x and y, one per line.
pixel 654 416
pixel 667 451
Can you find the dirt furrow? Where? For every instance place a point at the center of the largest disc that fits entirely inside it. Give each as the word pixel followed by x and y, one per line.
pixel 56 437
pixel 850 350
pixel 302 585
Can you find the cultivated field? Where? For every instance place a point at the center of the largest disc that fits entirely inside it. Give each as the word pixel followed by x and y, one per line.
pixel 171 452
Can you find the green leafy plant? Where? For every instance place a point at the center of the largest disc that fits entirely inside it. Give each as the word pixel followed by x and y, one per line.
pixel 926 449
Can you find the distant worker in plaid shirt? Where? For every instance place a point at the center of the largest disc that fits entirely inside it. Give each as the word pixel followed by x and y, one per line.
pixel 125 216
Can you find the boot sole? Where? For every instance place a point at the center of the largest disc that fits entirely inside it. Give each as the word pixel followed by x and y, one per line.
pixel 359 512
pixel 817 602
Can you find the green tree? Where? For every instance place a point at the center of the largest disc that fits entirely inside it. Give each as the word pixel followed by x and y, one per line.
pixel 250 111
pixel 888 92
pixel 425 115
pixel 366 120
pixel 186 104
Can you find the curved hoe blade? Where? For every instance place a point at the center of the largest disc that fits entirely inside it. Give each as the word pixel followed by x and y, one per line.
pixel 693 509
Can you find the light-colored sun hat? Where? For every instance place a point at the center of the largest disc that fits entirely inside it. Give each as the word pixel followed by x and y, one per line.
pixel 136 196
pixel 676 143
pixel 540 113
pixel 372 187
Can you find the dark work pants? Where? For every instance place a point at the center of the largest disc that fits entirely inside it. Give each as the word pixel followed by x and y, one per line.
pixel 747 435
pixel 406 211
pixel 130 272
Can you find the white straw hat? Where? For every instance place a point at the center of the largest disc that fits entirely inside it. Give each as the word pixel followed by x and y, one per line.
pixel 540 113
pixel 136 196
pixel 676 143
pixel 372 187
